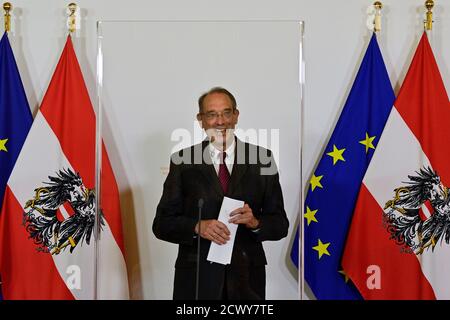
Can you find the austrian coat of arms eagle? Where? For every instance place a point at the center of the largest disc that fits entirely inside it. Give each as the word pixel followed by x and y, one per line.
pixel 418 216
pixel 52 232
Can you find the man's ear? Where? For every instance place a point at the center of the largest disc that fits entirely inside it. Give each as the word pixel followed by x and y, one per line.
pixel 236 114
pixel 199 119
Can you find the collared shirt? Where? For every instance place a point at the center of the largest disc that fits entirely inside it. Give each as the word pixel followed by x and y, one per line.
pixel 229 159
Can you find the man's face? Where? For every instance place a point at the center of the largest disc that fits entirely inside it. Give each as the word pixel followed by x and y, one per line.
pixel 218 119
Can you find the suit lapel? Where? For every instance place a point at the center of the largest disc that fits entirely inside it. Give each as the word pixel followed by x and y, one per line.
pixel 210 173
pixel 239 167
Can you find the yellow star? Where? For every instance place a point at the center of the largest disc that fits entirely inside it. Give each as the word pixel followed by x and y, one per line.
pixel 321 248
pixel 336 154
pixel 344 274
pixel 310 215
pixel 3 145
pixel 368 142
pixel 315 182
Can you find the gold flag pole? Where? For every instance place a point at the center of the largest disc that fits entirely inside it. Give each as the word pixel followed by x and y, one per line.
pixel 377 22
pixel 428 23
pixel 72 18
pixel 7 7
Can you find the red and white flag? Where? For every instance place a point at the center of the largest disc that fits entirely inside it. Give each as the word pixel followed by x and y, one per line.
pixel 47 245
pixel 398 244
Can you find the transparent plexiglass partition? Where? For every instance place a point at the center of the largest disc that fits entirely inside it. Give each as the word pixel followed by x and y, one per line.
pixel 150 75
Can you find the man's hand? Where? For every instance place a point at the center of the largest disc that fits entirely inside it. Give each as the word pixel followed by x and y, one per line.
pixel 245 216
pixel 213 230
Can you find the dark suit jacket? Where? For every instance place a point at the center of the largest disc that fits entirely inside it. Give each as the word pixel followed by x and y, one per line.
pixel 254 179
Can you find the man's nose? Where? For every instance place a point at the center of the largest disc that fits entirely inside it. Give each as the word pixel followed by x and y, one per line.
pixel 220 119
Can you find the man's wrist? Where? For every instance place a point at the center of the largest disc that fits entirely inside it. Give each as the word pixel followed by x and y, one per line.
pixel 256 225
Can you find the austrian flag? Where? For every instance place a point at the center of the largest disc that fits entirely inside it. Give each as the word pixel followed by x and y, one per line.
pixel 47 240
pixel 398 246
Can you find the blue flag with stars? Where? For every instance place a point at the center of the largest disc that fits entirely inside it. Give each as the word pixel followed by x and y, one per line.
pixel 15 114
pixel 334 185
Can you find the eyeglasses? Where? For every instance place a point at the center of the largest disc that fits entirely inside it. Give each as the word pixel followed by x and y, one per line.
pixel 226 114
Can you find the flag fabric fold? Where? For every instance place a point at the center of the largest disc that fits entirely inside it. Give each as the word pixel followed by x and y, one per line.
pixel 398 242
pixel 15 114
pixel 47 240
pixel 335 183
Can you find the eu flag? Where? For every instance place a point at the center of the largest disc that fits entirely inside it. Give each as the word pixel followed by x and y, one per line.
pixel 15 114
pixel 334 185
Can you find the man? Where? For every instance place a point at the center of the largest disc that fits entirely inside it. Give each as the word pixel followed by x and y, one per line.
pixel 202 175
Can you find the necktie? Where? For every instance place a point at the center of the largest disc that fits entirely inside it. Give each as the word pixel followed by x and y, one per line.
pixel 224 174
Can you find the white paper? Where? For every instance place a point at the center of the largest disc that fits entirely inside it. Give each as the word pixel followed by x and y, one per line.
pixel 222 253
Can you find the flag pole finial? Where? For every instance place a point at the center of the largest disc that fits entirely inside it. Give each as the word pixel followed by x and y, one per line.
pixel 377 22
pixel 72 8
pixel 429 4
pixel 373 21
pixel 7 7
